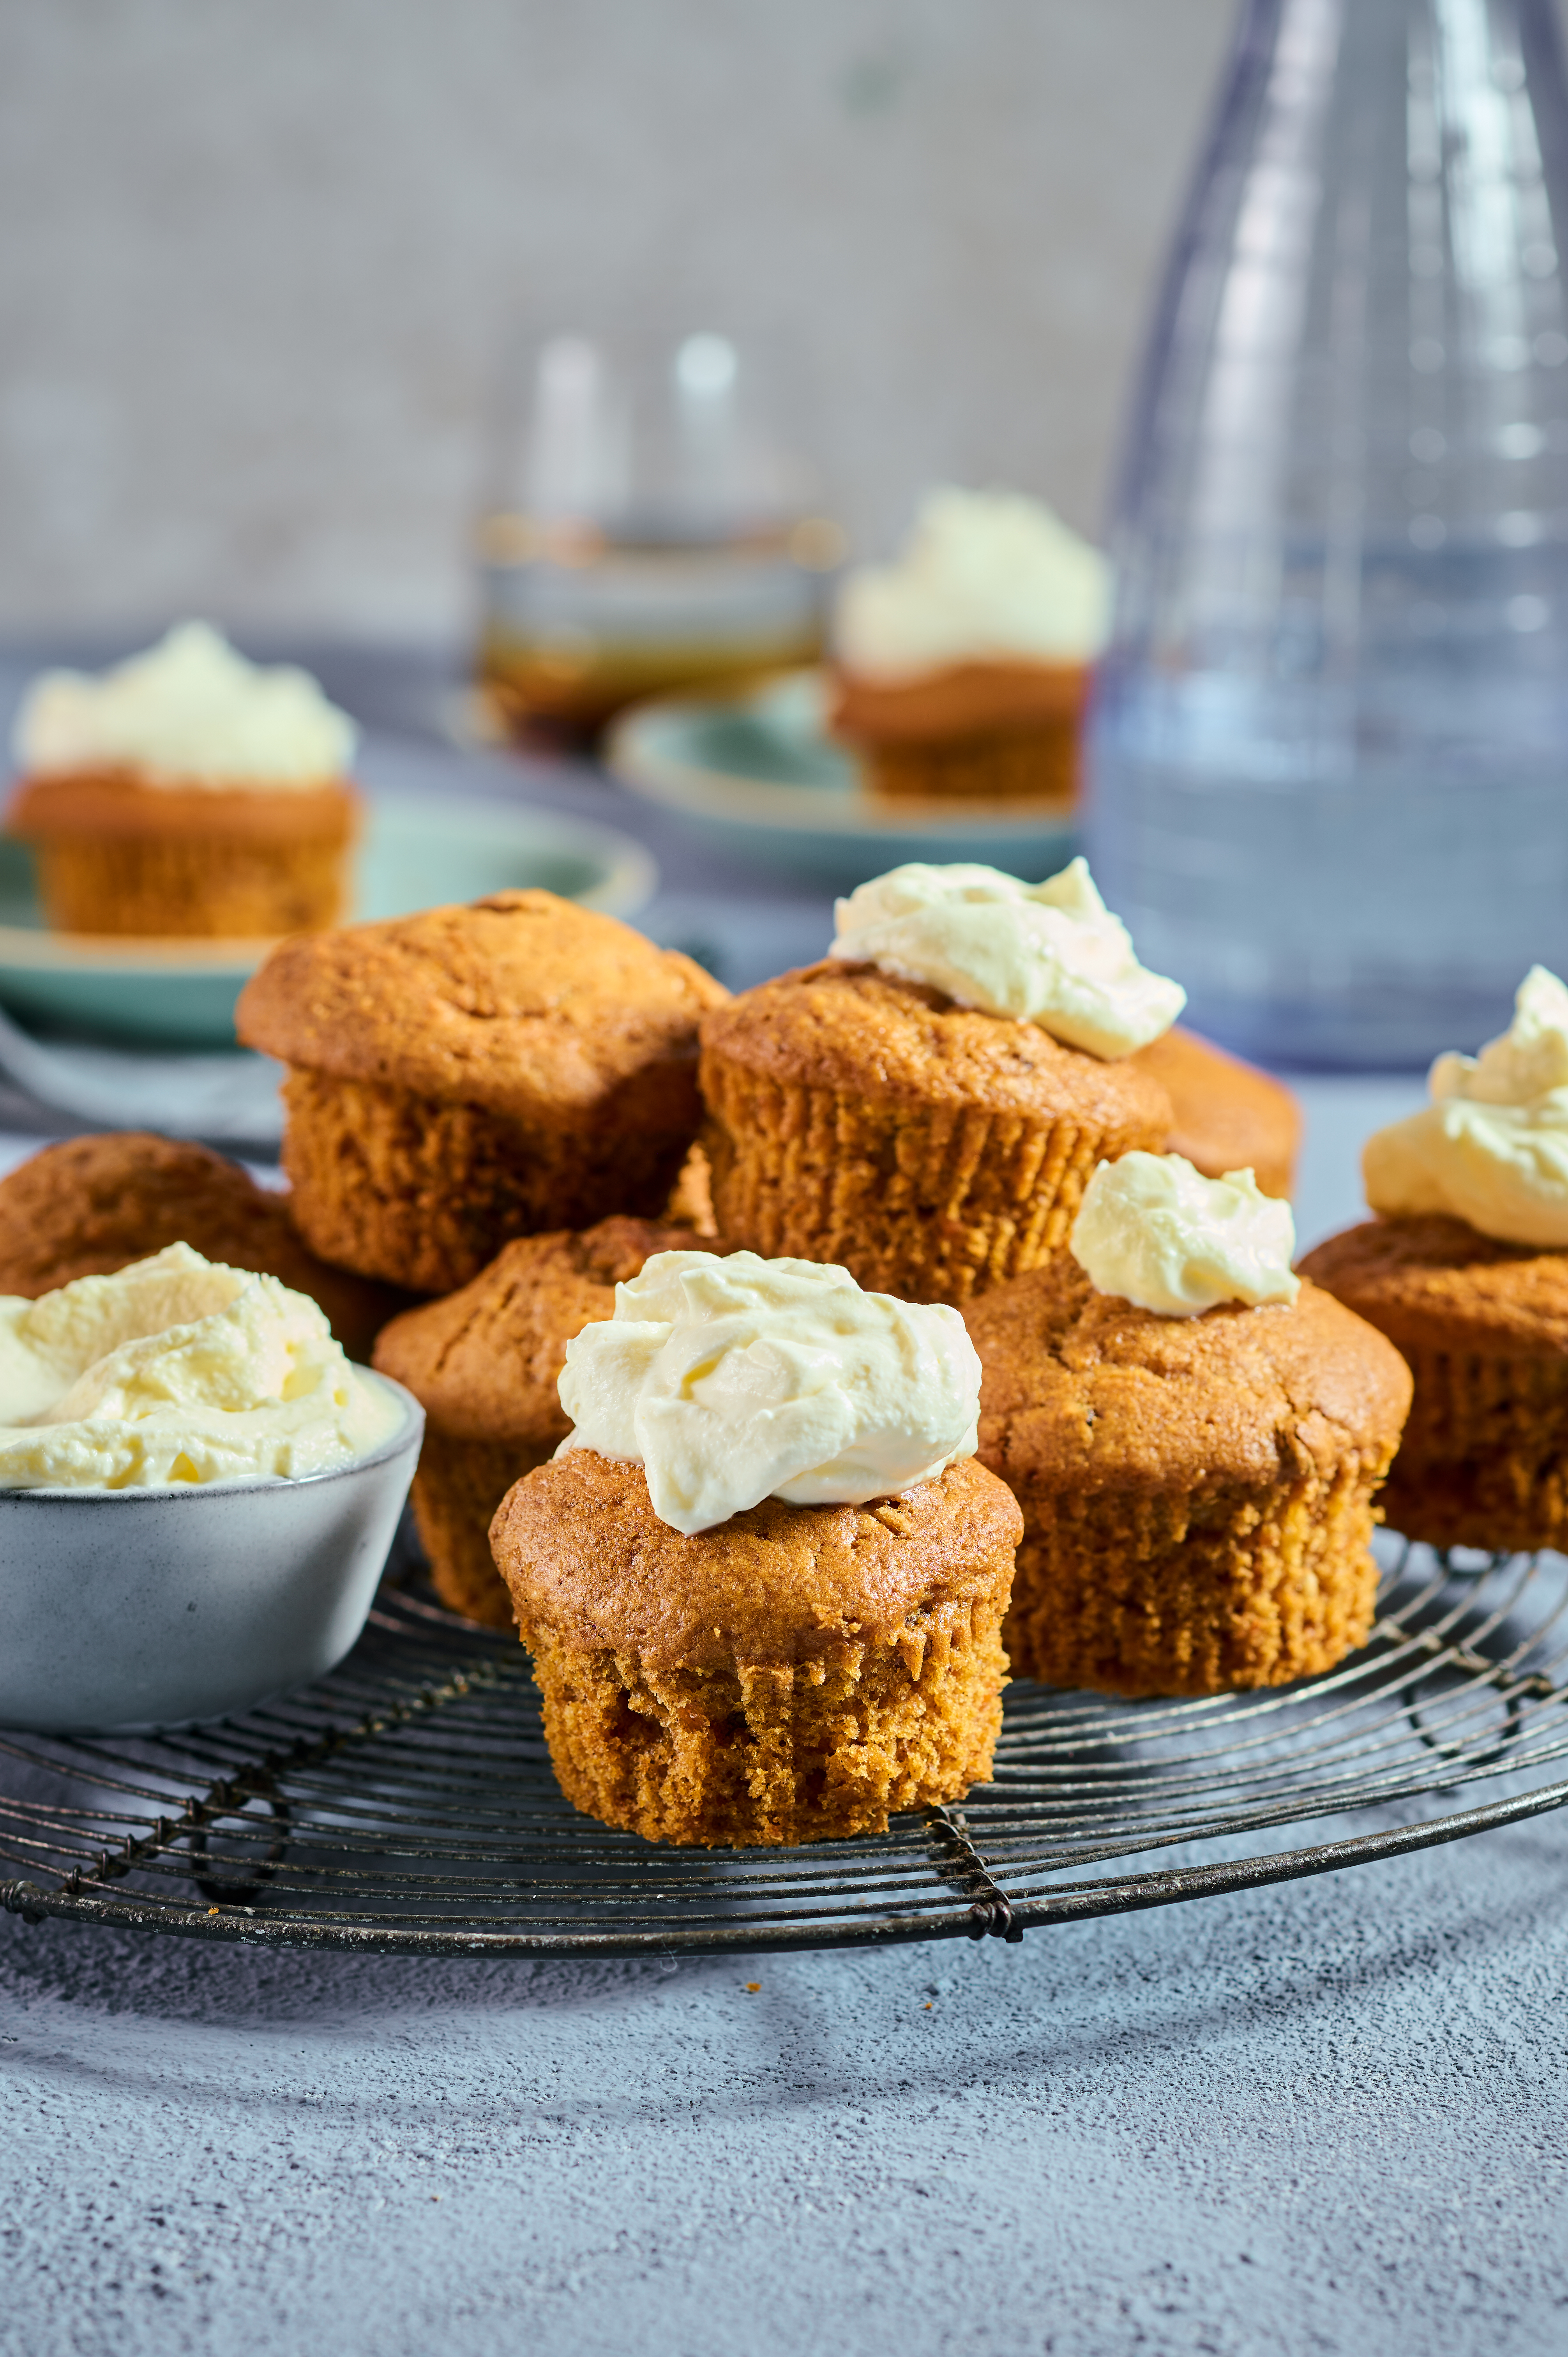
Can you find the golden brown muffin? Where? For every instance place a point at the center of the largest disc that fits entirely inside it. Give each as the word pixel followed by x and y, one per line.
pixel 799 1671
pixel 117 855
pixel 93 1205
pixel 1197 1491
pixel 985 731
pixel 1227 1115
pixel 1484 1325
pixel 472 1075
pixel 484 1365
pixel 931 1150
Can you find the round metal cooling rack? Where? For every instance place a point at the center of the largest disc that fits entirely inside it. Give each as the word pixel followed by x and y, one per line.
pixel 407 1803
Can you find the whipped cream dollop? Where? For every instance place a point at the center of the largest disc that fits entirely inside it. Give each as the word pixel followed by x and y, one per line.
pixel 1492 1147
pixel 731 1381
pixel 984 576
pixel 1051 954
pixel 177 1370
pixel 1155 1232
pixel 190 712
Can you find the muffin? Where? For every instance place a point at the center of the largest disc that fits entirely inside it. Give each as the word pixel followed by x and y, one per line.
pixel 1484 1328
pixel 484 1365
pixel 93 1205
pixel 763 1605
pixel 927 1105
pixel 962 671
pixel 1196 1468
pixel 186 793
pixel 1466 1269
pixel 471 1074
pixel 1228 1116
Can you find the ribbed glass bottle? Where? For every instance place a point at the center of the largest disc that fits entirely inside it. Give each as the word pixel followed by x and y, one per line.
pixel 1329 756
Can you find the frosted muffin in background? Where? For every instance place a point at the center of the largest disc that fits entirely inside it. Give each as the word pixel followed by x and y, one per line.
pixel 962 668
pixel 185 791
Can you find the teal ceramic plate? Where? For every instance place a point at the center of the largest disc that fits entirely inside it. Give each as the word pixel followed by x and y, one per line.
pixel 759 775
pixel 416 854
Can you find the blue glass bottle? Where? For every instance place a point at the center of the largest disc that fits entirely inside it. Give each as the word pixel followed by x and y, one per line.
pixel 1329 756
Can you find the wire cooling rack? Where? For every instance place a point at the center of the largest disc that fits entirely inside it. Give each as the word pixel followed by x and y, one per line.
pixel 406 1801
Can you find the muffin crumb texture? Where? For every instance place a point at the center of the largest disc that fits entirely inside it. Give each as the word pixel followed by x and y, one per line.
pixel 471 1074
pixel 91 1205
pixel 483 1364
pixel 800 1672
pixel 1197 1492
pixel 1484 1328
pixel 933 1151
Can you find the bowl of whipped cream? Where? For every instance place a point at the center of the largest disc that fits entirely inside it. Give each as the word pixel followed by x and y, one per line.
pixel 197 1496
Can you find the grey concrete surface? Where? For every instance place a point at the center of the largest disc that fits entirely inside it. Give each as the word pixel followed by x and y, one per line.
pixel 1325 2118
pixel 255 262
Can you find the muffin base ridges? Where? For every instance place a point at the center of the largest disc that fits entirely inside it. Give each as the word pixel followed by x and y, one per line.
pixel 424 1193
pixel 931 1203
pixel 1159 1593
pixel 768 1753
pixel 192 885
pixel 1022 765
pixel 457 1489
pixel 1484 1461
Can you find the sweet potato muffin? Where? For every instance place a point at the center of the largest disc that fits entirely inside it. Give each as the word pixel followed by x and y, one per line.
pixel 185 791
pixel 1197 1491
pixel 994 731
pixel 93 1205
pixel 1227 1115
pixel 793 1673
pixel 930 1149
pixel 471 1074
pixel 484 1365
pixel 1484 1326
pixel 116 855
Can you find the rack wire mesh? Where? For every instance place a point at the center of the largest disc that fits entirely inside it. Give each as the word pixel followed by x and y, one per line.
pixel 406 1803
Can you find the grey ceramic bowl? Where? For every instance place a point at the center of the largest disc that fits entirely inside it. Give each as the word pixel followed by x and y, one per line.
pixel 129 1609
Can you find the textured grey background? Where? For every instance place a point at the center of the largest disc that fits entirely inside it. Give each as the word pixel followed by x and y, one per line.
pixel 255 260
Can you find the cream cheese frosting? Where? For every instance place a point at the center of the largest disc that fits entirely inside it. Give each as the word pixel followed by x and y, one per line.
pixel 1051 954
pixel 190 712
pixel 984 576
pixel 1154 1231
pixel 177 1370
pixel 1492 1147
pixel 731 1381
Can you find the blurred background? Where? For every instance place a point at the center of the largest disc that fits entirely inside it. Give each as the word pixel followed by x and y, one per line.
pixel 259 264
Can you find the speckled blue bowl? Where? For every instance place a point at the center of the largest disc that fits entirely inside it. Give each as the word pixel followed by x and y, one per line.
pixel 123 1610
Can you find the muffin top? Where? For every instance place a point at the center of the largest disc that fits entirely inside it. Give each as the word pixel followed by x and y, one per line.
pixel 91 1205
pixel 484 1363
pixel 521 1002
pixel 1434 1283
pixel 1228 1116
pixel 852 1029
pixel 1083 1389
pixel 585 1554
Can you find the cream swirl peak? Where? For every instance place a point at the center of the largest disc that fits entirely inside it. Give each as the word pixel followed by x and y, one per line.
pixel 191 712
pixel 984 576
pixel 731 1381
pixel 1154 1231
pixel 1492 1147
pixel 175 1369
pixel 1051 954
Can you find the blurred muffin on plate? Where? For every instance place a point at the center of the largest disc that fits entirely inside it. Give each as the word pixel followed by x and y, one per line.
pixel 185 791
pixel 962 668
